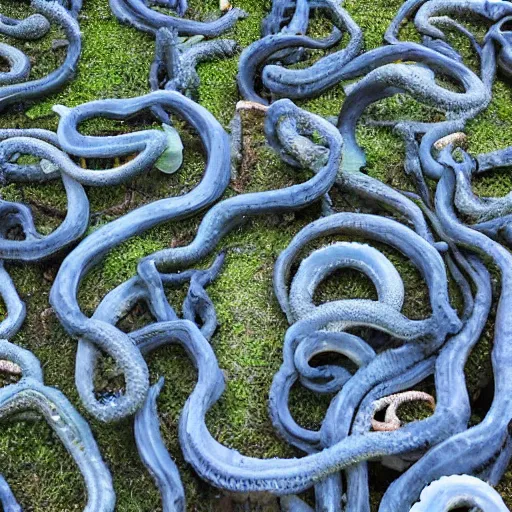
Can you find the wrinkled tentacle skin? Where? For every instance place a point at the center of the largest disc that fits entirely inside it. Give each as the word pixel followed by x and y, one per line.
pixel 398 353
pixel 31 28
pixel 138 14
pixel 294 83
pixel 491 9
pixel 424 10
pixel 432 15
pixel 391 403
pixel 230 470
pixel 73 6
pixel 328 378
pixel 12 171
pixel 454 491
pixel 174 67
pixel 470 205
pixel 154 454
pixel 147 144
pixel 287 137
pixel 384 79
pixel 358 492
pixel 298 24
pixel 123 298
pixel 452 411
pixel 220 220
pixel 30 393
pixel 476 447
pixel 63 296
pixel 17 92
pixel 292 432
pixel 228 214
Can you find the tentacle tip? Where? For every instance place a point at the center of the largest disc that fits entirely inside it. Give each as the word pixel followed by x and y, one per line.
pixel 159 384
pixel 221 257
pixel 442 247
pixel 240 13
pixel 61 110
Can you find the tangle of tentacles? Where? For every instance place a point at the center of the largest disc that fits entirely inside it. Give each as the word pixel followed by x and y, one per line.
pixel 446 231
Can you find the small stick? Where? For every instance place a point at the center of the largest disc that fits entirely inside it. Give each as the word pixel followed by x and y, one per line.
pixel 251 105
pixel 9 367
pixel 457 138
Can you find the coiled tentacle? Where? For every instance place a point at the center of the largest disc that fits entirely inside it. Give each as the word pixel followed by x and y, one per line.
pixel 31 394
pixel 142 17
pixel 449 456
pixel 63 296
pixel 15 93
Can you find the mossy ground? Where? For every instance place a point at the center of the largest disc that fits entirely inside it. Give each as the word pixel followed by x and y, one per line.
pixel 115 63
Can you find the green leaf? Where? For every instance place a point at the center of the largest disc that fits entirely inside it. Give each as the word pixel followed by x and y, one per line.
pixel 48 167
pixel 172 158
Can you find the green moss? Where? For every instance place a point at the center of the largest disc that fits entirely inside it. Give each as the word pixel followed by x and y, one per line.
pixel 248 343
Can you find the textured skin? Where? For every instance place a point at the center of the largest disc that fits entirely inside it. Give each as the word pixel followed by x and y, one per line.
pixel 331 225
pixel 34 89
pixel 358 491
pixel 220 220
pixel 376 192
pixel 391 404
pixel 18 62
pixel 384 79
pixel 454 491
pixel 147 144
pixel 294 124
pixel 30 393
pixel 329 378
pixel 290 19
pixel 294 83
pixel 142 17
pixel 174 67
pixel 73 6
pixel 493 52
pixel 286 16
pixel 35 247
pixel 11 171
pixel 490 215
pixel 63 296
pixel 154 454
pixel 32 27
pixel 230 470
pixel 471 452
pixel 423 10
pixel 120 301
pixel 391 353
pixel 470 205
